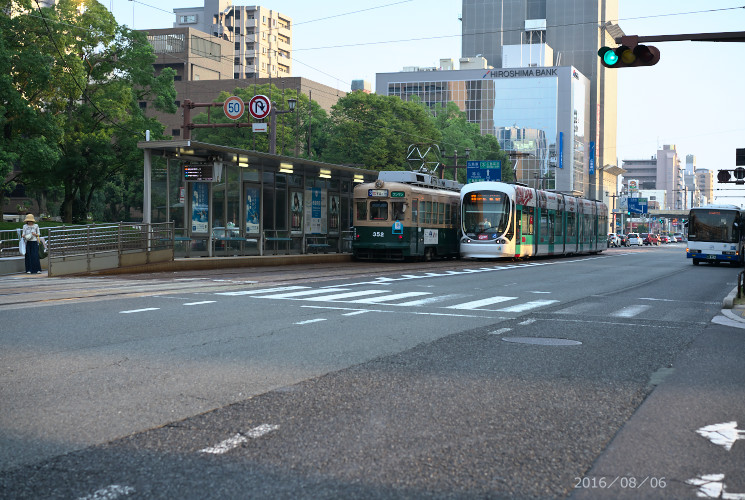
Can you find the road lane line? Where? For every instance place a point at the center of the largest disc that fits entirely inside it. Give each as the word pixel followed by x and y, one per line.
pixel 479 303
pixel 139 310
pixel 292 295
pixel 263 290
pixel 309 321
pixel 239 439
pixel 630 311
pixel 200 303
pixel 500 331
pixel 347 295
pixel 111 492
pixel 386 298
pixel 527 306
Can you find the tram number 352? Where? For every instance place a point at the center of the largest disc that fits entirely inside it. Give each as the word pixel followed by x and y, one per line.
pixel 378 234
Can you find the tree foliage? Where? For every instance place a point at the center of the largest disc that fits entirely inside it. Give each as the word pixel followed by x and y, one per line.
pixel 82 76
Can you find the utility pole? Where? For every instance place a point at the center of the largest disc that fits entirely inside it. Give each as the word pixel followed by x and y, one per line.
pixel 455 166
pixel 291 103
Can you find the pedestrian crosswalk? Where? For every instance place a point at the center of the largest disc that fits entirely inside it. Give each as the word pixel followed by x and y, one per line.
pixel 460 302
pixel 391 298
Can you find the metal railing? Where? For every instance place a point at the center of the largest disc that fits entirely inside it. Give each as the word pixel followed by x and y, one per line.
pixel 68 241
pixel 10 238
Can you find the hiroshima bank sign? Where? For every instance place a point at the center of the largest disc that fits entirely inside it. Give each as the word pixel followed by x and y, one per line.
pixel 521 73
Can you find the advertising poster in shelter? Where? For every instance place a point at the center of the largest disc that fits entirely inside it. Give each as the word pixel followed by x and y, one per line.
pixel 253 198
pixel 296 212
pixel 200 206
pixel 334 214
pixel 315 211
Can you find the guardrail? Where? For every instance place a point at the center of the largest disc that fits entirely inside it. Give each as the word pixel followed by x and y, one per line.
pixel 72 249
pixel 9 239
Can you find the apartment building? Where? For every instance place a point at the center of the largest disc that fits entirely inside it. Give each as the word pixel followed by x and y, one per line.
pixel 261 37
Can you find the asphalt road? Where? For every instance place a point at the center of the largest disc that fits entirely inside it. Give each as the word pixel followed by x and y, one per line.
pixel 580 377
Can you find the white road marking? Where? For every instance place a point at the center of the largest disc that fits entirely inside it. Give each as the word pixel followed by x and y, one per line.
pixel 722 434
pixel 475 304
pixel 453 315
pixel 527 305
pixel 265 290
pixel 139 310
pixel 355 313
pixel 292 295
pixel 630 311
pixel 239 439
pixel 500 331
pixel 386 298
pixel 429 300
pixel 111 492
pixel 309 321
pixel 527 322
pixel 346 295
pixel 200 303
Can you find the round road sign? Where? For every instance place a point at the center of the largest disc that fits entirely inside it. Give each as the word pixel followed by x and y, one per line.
pixel 233 107
pixel 259 106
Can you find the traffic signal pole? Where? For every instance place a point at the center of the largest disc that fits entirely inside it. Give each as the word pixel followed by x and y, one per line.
pixel 632 52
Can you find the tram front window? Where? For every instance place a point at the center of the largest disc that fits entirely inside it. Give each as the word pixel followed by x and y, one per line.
pixel 378 210
pixel 485 213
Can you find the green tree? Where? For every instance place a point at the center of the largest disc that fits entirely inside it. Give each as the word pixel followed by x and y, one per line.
pixel 458 134
pixel 101 73
pixel 30 133
pixel 375 131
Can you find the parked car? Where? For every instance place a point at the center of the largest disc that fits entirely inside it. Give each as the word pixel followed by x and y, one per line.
pixel 635 239
pixel 624 240
pixel 613 240
pixel 664 239
pixel 680 237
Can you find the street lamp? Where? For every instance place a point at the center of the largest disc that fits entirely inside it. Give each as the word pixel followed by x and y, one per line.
pixel 291 103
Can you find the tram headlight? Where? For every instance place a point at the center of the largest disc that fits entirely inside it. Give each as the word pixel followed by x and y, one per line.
pixel 501 241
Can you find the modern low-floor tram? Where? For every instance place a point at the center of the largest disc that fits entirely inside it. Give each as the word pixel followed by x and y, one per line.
pixel 502 220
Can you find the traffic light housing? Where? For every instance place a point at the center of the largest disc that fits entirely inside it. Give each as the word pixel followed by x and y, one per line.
pixel 627 56
pixel 725 177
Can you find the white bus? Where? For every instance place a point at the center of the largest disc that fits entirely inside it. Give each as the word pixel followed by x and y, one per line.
pixel 716 233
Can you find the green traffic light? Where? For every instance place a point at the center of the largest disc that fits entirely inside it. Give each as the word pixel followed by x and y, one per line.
pixel 608 56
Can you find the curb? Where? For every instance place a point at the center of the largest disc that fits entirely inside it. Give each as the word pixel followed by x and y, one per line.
pixel 729 300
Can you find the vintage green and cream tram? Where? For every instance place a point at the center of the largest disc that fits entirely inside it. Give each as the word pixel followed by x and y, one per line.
pixel 406 214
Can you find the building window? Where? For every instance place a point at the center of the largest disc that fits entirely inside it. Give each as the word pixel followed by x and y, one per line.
pixel 176 132
pixel 237 45
pixel 189 19
pixel 177 78
pixel 177 103
pixel 249 46
pixel 237 14
pixel 236 76
pixel 238 30
pixel 237 60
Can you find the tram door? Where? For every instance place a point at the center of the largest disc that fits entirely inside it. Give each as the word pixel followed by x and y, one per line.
pixel 414 243
pixel 519 230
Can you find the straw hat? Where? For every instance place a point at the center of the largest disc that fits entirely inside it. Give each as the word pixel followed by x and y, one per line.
pixel 29 218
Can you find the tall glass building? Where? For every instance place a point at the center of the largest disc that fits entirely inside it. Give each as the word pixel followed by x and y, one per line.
pixel 574 30
pixel 541 116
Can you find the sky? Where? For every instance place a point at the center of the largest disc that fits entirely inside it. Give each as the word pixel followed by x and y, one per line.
pixel 693 98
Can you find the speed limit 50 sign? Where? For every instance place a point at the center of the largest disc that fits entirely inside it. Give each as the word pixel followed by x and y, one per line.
pixel 233 107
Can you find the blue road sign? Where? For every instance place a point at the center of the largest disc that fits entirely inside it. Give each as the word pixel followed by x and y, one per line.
pixel 638 205
pixel 483 170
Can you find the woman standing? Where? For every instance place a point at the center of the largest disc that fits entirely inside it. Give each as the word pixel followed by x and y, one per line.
pixel 31 235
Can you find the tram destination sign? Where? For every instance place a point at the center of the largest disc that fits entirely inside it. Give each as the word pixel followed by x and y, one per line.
pixel 199 172
pixel 483 170
pixel 377 193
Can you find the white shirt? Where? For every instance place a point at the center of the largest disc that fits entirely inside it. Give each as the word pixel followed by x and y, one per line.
pixel 33 230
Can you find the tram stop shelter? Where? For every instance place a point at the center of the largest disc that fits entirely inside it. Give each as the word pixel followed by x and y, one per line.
pixel 226 201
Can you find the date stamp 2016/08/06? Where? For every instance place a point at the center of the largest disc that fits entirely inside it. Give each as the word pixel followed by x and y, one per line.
pixel 623 482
